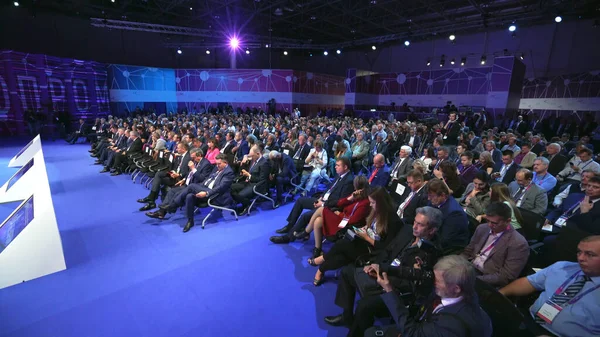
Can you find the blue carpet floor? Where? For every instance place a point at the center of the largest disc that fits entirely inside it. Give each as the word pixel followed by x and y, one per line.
pixel 129 275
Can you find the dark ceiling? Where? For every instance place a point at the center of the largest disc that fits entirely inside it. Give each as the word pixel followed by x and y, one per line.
pixel 333 22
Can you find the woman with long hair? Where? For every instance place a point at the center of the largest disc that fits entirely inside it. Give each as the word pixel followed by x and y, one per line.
pixel 499 193
pixel 428 155
pixel 212 152
pixel 379 229
pixel 325 222
pixel 486 163
pixel 449 174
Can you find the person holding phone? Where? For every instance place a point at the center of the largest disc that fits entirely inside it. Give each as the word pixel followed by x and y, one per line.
pixel 379 230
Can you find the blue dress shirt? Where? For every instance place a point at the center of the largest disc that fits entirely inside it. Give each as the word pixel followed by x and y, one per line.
pixel 547 181
pixel 581 318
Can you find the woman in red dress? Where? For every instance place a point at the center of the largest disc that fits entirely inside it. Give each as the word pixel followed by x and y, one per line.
pixel 352 210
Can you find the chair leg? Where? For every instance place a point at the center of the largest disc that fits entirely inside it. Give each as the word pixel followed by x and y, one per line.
pixel 206 217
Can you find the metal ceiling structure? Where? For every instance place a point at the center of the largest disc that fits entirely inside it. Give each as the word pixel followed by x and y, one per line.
pixel 317 23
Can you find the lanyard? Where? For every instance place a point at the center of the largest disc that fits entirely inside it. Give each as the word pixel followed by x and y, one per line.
pixel 464 170
pixel 577 204
pixel 584 166
pixel 562 288
pixel 443 203
pixel 354 209
pixel 522 193
pixel 539 182
pixel 488 248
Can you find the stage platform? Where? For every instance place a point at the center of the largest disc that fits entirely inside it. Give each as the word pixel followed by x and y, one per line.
pixel 129 275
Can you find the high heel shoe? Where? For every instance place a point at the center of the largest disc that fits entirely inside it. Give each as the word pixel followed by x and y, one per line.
pixel 304 236
pixel 311 261
pixel 316 252
pixel 319 282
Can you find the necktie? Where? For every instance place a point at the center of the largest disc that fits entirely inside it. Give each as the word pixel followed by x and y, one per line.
pixel 519 194
pixel 373 175
pixel 568 294
pixel 297 154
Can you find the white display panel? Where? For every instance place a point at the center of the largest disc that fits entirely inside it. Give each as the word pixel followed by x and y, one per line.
pixel 26 153
pixel 31 246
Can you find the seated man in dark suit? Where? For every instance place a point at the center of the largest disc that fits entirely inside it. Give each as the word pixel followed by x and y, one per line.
pixel 506 170
pixel 526 194
pixel 165 179
pixel 80 132
pixel 583 214
pixel 399 170
pixel 455 229
pixel 414 245
pixel 496 250
pixel 216 186
pixel 417 197
pixel 106 154
pixel 283 169
pixel 199 169
pixel 123 158
pixel 300 153
pixel 568 302
pixel 557 160
pixel 454 311
pixel 257 175
pixel 381 174
pixel 342 187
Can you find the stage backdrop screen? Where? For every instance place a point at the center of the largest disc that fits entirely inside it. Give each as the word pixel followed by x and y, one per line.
pixel 16 223
pixel 21 172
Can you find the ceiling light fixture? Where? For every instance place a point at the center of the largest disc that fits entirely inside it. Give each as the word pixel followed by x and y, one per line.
pixel 407 43
pixel 483 60
pixel 558 19
pixel 325 53
pixel 452 37
pixel 285 52
pixel 207 52
pixel 512 28
pixel 374 47
pixel 338 51
pixel 463 61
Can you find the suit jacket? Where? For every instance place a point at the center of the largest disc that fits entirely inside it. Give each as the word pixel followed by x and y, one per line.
pixel 588 222
pixel 220 191
pixel 557 163
pixel 510 174
pixel 303 154
pixel 452 134
pixel 288 168
pixel 242 150
pixel 416 142
pixel 455 228
pixel 135 147
pixel 471 320
pixel 203 170
pixel 342 189
pixel 379 148
pixel 505 261
pixel 535 198
pixel 183 161
pixel 259 174
pixel 537 148
pixel 401 170
pixel 410 210
pixel 381 178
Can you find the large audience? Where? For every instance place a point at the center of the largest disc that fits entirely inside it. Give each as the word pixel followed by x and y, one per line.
pixel 435 224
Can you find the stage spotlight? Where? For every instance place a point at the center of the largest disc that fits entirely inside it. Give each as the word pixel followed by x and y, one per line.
pixel 191 8
pixel 338 51
pixel 452 62
pixel 207 52
pixel 310 54
pixel 522 56
pixel 112 0
pixel 247 51
pixel 267 45
pixel 512 28
pixel 558 19
pixel 443 61
pixel 374 47
pixel 407 43
pixel 428 63
pixel 179 51
pixel 452 37
pixel 234 43
pixel 483 59
pixel 325 53
pixel 16 3
pixel 463 61
pixel 285 52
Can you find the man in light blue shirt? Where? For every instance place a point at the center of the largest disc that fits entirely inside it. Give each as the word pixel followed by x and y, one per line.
pixel 569 304
pixel 541 177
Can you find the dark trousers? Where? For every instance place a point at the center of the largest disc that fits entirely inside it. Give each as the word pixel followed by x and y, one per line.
pixel 173 195
pixel 161 180
pixel 343 252
pixel 300 205
pixel 302 222
pixel 280 184
pixel 367 307
pixel 242 193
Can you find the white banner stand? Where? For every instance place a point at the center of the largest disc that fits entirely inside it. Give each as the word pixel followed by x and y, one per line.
pixel 37 250
pixel 26 153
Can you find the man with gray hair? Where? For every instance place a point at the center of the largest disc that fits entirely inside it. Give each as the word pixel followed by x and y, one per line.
pixel 454 311
pixel 401 167
pixel 409 259
pixel 557 160
pixel 541 177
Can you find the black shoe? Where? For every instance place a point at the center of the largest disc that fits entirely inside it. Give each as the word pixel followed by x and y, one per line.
pixel 156 215
pixel 148 206
pixel 304 236
pixel 144 200
pixel 188 226
pixel 335 320
pixel 244 211
pixel 280 239
pixel 284 230
pixel 98 162
pixel 116 173
pixel 104 170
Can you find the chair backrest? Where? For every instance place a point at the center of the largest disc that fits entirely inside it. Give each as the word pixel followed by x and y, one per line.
pixel 506 318
pixel 564 247
pixel 473 224
pixel 532 224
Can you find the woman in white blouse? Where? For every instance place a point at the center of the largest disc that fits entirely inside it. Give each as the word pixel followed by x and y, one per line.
pixel 317 159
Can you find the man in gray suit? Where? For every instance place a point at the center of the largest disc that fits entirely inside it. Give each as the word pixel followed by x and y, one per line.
pixel 496 250
pixel 526 194
pixel 400 169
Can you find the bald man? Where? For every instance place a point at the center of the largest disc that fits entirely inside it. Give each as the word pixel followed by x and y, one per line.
pixel 380 176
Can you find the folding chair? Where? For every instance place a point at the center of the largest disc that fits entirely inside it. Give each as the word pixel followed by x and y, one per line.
pixel 260 195
pixel 214 207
